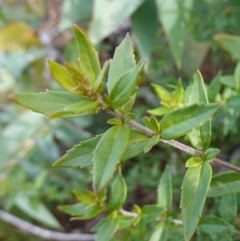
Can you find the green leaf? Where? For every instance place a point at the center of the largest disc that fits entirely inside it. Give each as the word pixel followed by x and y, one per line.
pixel 98 85
pixel 214 88
pixel 160 232
pixel 151 142
pixel 108 153
pixel 79 156
pixel 164 192
pixel 177 95
pixel 210 153
pixel 224 184
pixel 136 144
pixel 194 191
pixel 81 211
pixel 123 61
pixel 215 225
pixel 114 121
pixel 62 76
pixel 82 106
pixel 200 137
pixel 174 16
pixel 162 93
pixel 75 11
pixel 237 77
pixel 155 124
pixel 118 193
pixel 194 161
pixel 107 229
pixel 194 53
pixel 108 16
pixel 47 102
pixel 72 114
pixel 180 121
pixel 126 86
pixel 228 207
pixel 39 212
pixel 125 222
pixel 151 212
pixel 160 111
pixel 229 43
pixel 145 26
pixel 88 57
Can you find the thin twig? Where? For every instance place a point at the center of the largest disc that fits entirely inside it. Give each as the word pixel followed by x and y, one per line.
pixel 44 233
pixel 174 143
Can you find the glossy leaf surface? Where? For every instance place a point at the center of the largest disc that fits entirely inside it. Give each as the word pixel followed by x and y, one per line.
pixel 88 57
pixel 194 191
pixel 108 154
pixel 79 156
pixel 179 122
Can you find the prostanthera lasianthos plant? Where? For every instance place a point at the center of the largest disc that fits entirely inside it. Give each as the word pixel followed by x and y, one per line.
pixel 185 113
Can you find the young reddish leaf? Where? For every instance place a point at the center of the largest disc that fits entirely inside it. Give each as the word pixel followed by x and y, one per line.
pixel 80 155
pixel 47 102
pixel 118 193
pixel 136 144
pixel 88 57
pixel 151 142
pixel 164 192
pixel 126 86
pixel 180 121
pixel 194 191
pixel 108 154
pixel 123 61
pixel 194 161
pixel 62 76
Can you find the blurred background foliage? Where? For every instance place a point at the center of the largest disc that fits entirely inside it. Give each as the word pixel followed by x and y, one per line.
pixel 177 37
